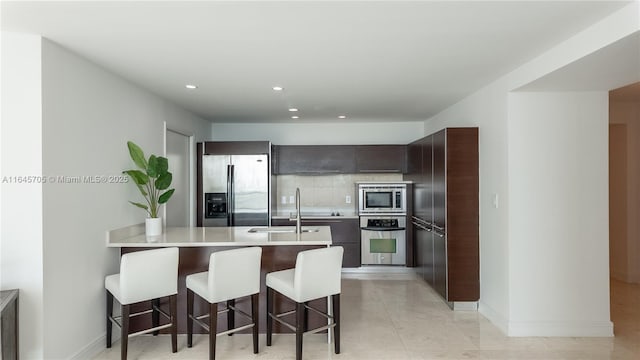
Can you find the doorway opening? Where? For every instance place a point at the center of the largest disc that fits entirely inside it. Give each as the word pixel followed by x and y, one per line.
pixel 179 151
pixel 624 211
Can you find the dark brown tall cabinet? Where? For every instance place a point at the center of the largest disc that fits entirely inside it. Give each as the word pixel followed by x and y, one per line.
pixel 445 220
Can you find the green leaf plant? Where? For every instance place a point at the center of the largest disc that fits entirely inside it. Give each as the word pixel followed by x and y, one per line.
pixel 152 179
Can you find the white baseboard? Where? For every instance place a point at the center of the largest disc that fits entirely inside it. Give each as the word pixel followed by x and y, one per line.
pixel 92 349
pixel 96 346
pixel 561 328
pixel 493 316
pixel 547 328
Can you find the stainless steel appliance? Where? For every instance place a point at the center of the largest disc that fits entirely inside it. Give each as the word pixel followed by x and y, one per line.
pixel 383 240
pixel 383 208
pixel 235 190
pixel 376 198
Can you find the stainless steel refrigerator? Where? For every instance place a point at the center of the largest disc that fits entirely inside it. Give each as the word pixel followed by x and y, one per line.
pixel 235 190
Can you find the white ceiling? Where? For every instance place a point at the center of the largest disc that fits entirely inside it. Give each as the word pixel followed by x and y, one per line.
pixel 372 61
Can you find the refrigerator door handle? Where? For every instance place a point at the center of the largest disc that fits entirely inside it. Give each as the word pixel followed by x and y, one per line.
pixel 230 197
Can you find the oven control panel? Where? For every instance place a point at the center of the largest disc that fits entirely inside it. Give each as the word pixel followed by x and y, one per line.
pixel 382 223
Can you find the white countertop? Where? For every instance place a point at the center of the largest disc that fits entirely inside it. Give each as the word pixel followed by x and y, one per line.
pixel 219 236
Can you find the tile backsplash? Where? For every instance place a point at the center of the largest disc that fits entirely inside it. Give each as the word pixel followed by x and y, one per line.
pixel 324 192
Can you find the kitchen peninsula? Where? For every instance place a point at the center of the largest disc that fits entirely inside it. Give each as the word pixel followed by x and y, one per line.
pixel 280 246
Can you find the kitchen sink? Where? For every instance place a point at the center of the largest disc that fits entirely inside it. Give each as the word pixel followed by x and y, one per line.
pixel 280 229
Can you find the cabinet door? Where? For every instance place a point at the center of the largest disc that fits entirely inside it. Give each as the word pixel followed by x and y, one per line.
pixel 315 159
pixel 344 232
pixel 429 256
pixel 424 252
pixel 426 180
pixel 439 263
pixel 414 161
pixel 419 251
pixel 439 179
pixel 381 158
pixel 236 147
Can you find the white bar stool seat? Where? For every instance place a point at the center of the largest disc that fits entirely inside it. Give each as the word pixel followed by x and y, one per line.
pixel 144 275
pixel 232 274
pixel 317 274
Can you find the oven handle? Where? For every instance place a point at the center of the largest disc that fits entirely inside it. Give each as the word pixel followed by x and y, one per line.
pixel 382 229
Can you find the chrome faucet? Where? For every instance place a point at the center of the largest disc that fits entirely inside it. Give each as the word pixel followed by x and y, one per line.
pixel 297 218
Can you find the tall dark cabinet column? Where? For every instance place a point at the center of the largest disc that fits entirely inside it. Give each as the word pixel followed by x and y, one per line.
pixel 445 220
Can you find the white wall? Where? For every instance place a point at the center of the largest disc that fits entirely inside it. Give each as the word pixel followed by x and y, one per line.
pixel 330 133
pixel 21 251
pixel 626 261
pixel 504 266
pixel 558 214
pixel 88 114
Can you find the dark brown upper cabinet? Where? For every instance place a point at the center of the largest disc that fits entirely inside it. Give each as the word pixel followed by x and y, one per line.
pixel 381 158
pixel 339 159
pixel 314 159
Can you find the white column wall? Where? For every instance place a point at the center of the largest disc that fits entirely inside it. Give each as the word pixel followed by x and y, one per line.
pixel 21 250
pixel 88 116
pixel 558 214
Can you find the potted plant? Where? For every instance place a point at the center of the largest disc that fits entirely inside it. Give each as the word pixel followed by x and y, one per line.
pixel 152 179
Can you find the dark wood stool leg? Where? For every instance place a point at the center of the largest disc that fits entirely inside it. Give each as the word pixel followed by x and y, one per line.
pixel 124 338
pixel 189 319
pixel 300 325
pixel 335 300
pixel 269 312
pixel 306 317
pixel 231 315
pixel 109 314
pixel 173 300
pixel 155 315
pixel 255 319
pixel 213 326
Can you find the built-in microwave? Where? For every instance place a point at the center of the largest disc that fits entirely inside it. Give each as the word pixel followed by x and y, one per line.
pixel 382 198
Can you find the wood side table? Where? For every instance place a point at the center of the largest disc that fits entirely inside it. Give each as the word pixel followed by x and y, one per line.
pixel 9 324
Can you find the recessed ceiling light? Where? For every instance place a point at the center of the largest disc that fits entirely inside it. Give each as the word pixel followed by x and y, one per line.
pixel 277 88
pixel 293 109
pixel 190 86
pixel 295 117
pixel 342 116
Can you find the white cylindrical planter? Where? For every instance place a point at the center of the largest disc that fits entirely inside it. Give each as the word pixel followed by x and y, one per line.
pixel 153 226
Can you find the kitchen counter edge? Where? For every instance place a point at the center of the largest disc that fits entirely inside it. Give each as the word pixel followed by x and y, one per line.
pixel 133 236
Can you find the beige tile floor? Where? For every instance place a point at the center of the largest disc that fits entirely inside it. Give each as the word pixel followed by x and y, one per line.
pixel 400 317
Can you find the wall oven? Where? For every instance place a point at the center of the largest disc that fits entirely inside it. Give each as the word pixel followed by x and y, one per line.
pixel 382 198
pixel 383 240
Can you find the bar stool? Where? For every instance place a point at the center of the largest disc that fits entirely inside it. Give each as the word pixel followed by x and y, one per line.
pixel 316 275
pixel 232 274
pixel 144 275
